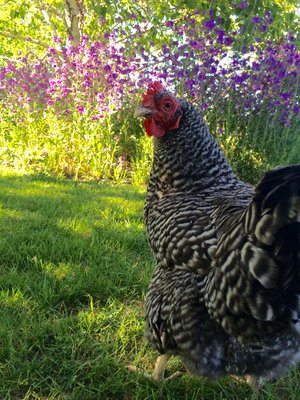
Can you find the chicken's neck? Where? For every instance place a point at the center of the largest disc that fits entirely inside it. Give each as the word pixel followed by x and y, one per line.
pixel 189 159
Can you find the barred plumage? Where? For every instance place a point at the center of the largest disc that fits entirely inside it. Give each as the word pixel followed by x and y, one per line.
pixel 225 294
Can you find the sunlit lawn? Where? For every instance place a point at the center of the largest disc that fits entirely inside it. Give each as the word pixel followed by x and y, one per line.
pixel 74 268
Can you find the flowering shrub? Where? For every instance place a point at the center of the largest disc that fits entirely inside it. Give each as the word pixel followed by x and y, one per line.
pixel 70 113
pixel 89 78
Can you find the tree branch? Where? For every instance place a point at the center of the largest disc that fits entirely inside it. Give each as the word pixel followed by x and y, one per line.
pixel 12 60
pixel 48 8
pixel 12 35
pixel 48 21
pixel 48 11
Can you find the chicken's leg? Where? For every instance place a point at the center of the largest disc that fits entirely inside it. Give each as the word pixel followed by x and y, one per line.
pixel 160 366
pixel 255 383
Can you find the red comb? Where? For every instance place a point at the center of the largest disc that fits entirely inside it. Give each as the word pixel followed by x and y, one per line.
pixel 153 88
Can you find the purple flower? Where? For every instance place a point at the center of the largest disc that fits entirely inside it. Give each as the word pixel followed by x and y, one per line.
pixel 281 74
pixel 255 66
pixel 228 41
pixel 195 45
pixel 57 39
pixel 102 21
pixel 256 19
pixel 80 109
pixel 244 5
pixel 295 109
pixel 209 25
pixel 169 24
pixel 51 50
pixel 268 17
pixel 291 36
pixel 286 95
pixel 189 83
pixel 221 35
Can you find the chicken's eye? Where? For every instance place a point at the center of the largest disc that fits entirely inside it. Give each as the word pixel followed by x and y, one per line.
pixel 168 105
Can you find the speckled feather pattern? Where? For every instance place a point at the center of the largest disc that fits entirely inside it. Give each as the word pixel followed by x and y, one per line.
pixel 225 291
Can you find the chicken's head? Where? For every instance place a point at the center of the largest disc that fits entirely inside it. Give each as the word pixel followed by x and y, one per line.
pixel 161 109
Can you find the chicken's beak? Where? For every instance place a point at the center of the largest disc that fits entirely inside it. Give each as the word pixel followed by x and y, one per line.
pixel 143 112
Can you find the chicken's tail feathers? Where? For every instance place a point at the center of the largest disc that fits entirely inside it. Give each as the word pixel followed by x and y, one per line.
pixel 272 224
pixel 254 289
pixel 276 204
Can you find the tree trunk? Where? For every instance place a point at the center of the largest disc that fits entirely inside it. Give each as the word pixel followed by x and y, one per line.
pixel 74 16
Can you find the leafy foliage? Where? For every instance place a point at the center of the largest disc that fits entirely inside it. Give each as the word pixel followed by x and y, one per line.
pixel 42 20
pixel 70 111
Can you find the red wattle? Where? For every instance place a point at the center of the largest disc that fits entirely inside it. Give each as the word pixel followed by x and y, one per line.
pixel 152 129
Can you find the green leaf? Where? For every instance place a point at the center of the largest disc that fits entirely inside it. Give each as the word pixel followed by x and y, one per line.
pixel 100 10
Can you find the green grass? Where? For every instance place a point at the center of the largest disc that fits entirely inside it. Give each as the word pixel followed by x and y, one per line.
pixel 74 269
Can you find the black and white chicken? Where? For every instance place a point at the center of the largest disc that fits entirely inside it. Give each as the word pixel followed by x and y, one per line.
pixel 225 294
